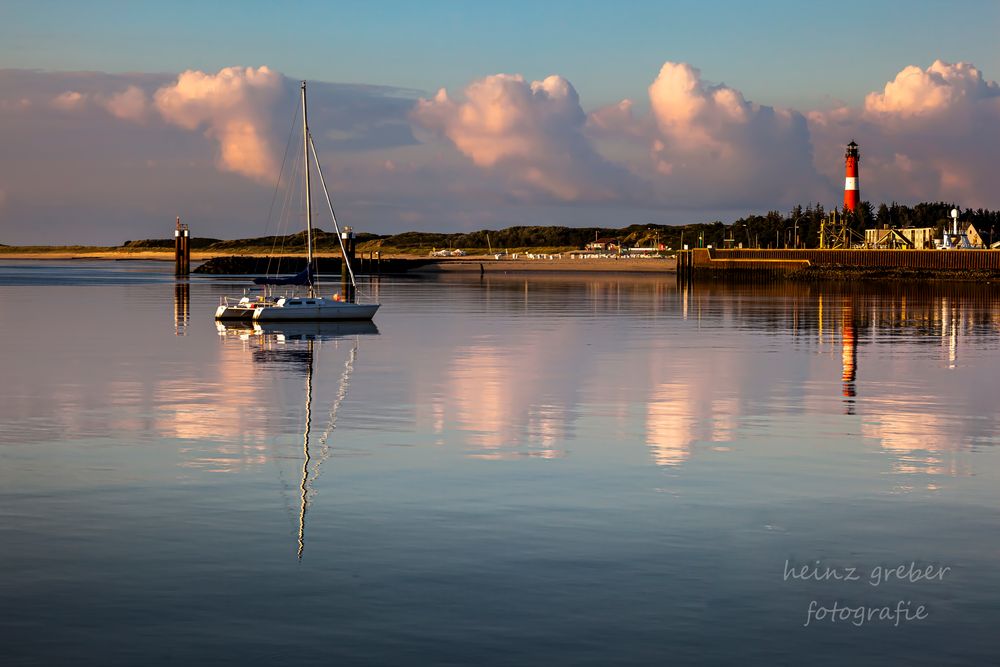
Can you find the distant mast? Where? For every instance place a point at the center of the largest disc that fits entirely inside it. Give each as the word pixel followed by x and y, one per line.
pixel 309 212
pixel 852 195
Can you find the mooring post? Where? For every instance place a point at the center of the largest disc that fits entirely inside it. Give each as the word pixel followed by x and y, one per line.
pixel 347 236
pixel 182 249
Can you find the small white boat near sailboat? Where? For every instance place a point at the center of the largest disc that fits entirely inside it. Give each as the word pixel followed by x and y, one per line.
pixel 312 305
pixel 243 309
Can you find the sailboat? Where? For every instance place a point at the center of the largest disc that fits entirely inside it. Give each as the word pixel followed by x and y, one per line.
pixel 312 306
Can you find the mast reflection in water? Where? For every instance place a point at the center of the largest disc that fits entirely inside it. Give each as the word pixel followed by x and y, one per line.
pixel 295 345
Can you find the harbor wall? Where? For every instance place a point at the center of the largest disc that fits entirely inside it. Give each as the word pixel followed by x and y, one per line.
pixel 714 258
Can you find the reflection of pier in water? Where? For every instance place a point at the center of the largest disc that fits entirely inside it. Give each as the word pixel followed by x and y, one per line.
pixel 928 322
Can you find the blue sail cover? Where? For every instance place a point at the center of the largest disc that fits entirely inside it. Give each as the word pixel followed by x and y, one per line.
pixel 304 277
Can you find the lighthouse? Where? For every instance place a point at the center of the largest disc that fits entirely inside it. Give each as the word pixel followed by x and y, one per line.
pixel 852 195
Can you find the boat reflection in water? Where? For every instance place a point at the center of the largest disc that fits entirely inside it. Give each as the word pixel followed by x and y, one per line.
pixel 297 343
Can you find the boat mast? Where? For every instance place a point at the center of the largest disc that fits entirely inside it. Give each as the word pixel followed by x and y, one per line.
pixel 309 212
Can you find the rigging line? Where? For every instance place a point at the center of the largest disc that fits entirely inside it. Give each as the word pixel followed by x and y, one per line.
pixel 282 231
pixel 329 203
pixel 324 453
pixel 305 462
pixel 277 185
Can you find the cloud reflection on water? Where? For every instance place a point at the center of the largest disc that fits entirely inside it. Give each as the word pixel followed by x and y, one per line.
pixel 531 368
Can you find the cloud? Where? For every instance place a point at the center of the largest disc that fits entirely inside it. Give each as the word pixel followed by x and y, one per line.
pixel 69 101
pixel 234 107
pixel 939 88
pixel 130 149
pixel 21 104
pixel 529 133
pixel 712 144
pixel 707 146
pixel 130 104
pixel 930 134
pixel 123 167
pixel 618 121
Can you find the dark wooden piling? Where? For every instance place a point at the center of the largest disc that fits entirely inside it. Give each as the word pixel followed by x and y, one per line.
pixel 182 250
pixel 347 289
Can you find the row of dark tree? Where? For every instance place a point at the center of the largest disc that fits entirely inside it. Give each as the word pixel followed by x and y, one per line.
pixel 800 226
pixel 803 225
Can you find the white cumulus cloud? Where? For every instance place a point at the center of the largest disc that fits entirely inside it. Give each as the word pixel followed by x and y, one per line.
pixel 234 107
pixel 930 134
pixel 939 88
pixel 130 104
pixel 708 146
pixel 530 133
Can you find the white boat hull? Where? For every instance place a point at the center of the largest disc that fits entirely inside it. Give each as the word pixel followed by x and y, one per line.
pixel 302 309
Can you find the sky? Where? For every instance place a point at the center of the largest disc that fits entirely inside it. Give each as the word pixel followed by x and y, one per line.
pixel 115 117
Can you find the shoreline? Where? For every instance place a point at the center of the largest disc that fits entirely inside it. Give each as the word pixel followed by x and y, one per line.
pixel 418 264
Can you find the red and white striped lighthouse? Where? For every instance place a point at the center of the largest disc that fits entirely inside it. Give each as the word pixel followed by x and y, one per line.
pixel 852 195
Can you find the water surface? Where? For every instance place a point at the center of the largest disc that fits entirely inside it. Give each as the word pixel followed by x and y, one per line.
pixel 544 470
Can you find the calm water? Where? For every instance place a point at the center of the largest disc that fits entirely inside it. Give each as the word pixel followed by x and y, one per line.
pixel 552 470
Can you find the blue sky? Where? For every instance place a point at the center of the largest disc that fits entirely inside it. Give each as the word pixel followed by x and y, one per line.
pixel 786 53
pixel 137 111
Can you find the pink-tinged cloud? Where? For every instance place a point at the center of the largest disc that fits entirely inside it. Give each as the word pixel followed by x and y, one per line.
pixel 69 101
pixel 939 88
pixel 234 107
pixel 529 133
pixel 930 134
pixel 706 145
pixel 130 104
pixel 618 121
pixel 21 104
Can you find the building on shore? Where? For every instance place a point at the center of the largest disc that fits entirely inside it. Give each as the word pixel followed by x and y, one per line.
pixel 975 240
pixel 916 238
pixel 604 245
